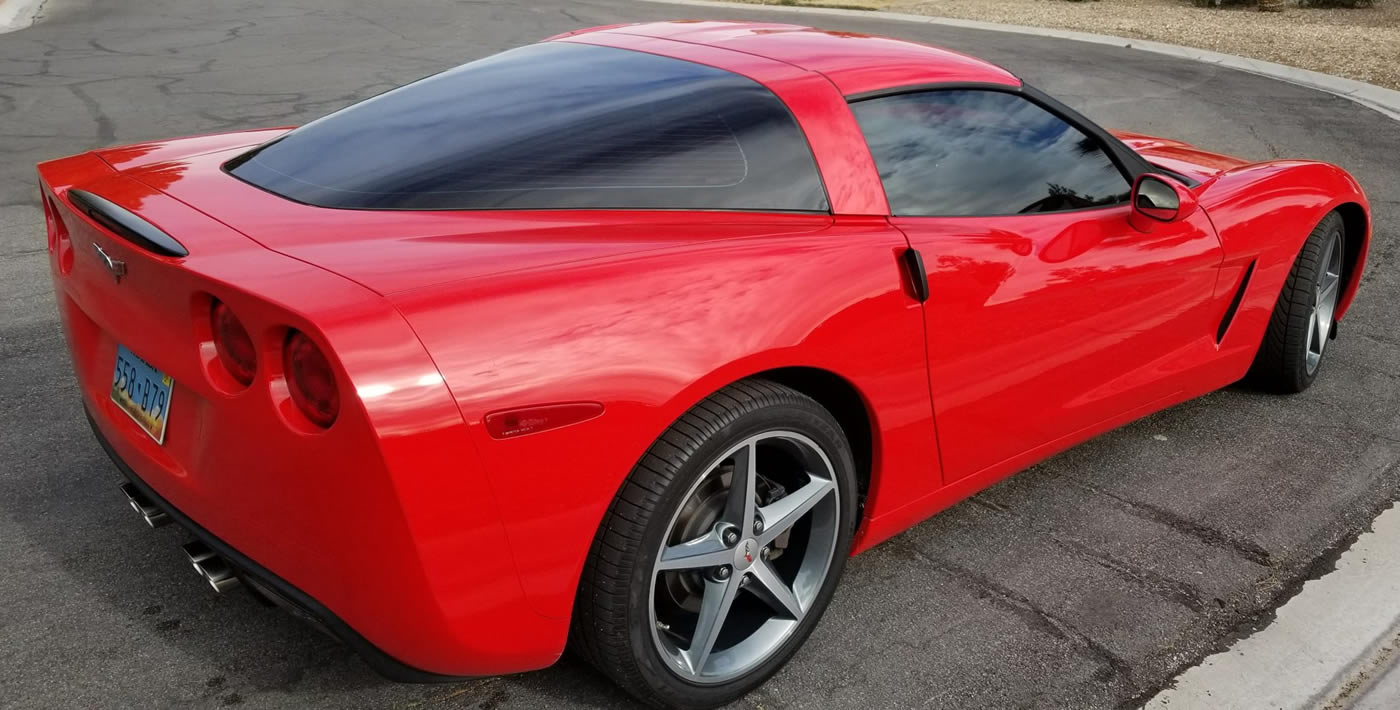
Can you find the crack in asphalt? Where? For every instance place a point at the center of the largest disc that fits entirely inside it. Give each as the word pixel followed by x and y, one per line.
pixel 1025 609
pixel 1239 545
pixel 1164 587
pixel 106 132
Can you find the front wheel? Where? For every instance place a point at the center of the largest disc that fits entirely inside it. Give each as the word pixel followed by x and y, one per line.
pixel 1304 318
pixel 720 552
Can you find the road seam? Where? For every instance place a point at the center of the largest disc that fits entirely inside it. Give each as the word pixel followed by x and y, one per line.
pixel 1382 100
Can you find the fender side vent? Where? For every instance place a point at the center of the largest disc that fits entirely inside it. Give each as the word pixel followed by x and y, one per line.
pixel 125 224
pixel 1234 303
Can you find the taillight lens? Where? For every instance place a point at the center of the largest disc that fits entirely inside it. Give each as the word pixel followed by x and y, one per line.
pixel 310 380
pixel 231 342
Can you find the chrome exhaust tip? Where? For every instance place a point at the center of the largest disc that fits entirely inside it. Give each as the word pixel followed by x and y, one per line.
pixel 154 517
pixel 218 573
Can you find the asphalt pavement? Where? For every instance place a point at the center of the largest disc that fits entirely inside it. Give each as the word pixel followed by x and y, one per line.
pixel 1089 581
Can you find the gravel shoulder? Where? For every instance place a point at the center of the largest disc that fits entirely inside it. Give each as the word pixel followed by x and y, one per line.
pixel 1361 43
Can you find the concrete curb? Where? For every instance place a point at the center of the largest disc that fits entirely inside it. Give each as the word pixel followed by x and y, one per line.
pixel 18 14
pixel 1331 646
pixel 1385 101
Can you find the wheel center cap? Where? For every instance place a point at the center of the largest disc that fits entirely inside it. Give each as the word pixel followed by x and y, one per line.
pixel 745 553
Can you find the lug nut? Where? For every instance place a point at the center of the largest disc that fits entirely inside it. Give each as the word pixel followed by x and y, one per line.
pixel 722 572
pixel 765 553
pixel 730 537
pixel 757 526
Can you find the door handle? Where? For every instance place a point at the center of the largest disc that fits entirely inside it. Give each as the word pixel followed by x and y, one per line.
pixel 918 278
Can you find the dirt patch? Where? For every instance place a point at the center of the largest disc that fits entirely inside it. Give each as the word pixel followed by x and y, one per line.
pixel 1361 44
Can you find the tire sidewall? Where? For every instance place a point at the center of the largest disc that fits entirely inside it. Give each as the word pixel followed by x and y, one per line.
pixel 1280 363
pixel 1330 229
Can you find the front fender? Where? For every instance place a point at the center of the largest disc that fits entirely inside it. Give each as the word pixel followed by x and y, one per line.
pixel 1264 213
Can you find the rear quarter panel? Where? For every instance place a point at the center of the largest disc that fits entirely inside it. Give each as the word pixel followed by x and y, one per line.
pixel 649 335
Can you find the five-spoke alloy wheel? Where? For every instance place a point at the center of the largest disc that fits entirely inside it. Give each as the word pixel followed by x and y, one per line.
pixel 778 552
pixel 720 552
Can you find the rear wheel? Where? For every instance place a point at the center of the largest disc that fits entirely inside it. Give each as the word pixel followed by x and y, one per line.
pixel 1304 317
pixel 721 551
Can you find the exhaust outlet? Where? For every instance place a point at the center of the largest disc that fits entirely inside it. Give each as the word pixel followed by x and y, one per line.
pixel 218 573
pixel 154 517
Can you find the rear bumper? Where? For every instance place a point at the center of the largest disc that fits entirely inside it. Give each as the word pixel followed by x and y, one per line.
pixel 299 603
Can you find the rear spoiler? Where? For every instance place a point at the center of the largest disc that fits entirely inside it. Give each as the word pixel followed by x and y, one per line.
pixel 124 223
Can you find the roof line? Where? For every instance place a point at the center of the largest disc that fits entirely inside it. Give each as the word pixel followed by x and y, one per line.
pixel 735 51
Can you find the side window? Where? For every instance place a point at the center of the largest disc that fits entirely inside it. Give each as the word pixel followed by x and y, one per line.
pixel 975 152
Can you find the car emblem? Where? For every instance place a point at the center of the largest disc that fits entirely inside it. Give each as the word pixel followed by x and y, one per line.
pixel 116 266
pixel 748 551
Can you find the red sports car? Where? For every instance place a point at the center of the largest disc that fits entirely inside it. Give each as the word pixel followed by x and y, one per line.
pixel 627 339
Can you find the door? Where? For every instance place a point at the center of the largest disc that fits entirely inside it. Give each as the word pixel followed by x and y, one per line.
pixel 1048 314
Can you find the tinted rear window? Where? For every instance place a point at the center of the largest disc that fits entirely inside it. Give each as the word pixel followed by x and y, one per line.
pixel 552 125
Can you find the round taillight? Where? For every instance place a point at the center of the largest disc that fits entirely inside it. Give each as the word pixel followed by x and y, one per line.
pixel 231 342
pixel 310 380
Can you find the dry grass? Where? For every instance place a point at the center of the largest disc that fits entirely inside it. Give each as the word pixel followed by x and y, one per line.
pixel 1362 44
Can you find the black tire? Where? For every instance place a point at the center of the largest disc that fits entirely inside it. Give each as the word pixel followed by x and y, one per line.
pixel 611 626
pixel 1281 365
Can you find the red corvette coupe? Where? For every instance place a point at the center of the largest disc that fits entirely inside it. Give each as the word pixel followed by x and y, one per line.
pixel 627 339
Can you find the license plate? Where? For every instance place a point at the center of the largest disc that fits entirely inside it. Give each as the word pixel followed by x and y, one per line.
pixel 143 392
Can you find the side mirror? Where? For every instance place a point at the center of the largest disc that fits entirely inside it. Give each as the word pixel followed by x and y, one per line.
pixel 1158 199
